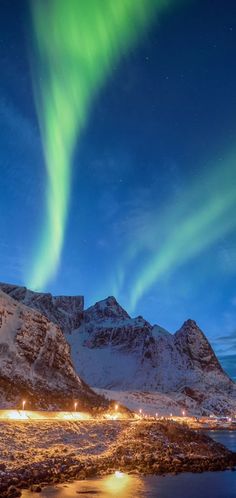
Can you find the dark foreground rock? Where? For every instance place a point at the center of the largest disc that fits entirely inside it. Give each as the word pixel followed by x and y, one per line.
pixel 36 454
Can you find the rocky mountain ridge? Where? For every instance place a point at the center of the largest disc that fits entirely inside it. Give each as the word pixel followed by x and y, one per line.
pixel 113 351
pixel 170 357
pixel 64 311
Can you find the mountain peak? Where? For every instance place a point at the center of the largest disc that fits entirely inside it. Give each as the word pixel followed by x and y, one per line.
pixel 189 324
pixel 192 341
pixel 190 328
pixel 107 308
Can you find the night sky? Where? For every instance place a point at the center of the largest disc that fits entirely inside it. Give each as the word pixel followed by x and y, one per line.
pixel 151 217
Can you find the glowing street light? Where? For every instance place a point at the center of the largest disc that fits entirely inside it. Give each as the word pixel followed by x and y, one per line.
pixel 156 415
pixel 23 404
pixel 140 411
pixel 183 413
pixel 75 406
pixel 116 407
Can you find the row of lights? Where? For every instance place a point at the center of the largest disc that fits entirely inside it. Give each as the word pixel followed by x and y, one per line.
pixel 75 406
pixel 24 403
pixel 141 414
pixel 116 409
pixel 156 415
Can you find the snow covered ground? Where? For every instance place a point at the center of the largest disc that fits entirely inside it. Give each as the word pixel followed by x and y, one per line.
pixel 33 442
pixel 34 453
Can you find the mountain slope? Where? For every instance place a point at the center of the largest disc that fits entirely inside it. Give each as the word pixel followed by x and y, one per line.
pixel 35 361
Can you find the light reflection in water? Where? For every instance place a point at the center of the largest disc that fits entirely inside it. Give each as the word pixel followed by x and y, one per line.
pixel 117 485
pixel 120 484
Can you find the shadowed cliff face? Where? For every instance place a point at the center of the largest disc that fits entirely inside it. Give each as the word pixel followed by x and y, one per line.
pixel 35 360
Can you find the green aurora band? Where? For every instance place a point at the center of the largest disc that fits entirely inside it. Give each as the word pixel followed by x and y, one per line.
pixel 76 43
pixel 185 228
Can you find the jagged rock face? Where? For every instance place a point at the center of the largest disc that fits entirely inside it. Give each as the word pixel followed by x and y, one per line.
pixel 35 360
pixel 64 311
pixel 108 324
pixel 113 351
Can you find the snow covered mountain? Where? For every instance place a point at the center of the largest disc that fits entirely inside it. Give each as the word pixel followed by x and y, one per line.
pixel 35 361
pixel 115 352
pixel 148 357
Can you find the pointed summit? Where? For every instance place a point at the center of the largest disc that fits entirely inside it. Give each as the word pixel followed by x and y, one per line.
pixel 191 340
pixel 107 308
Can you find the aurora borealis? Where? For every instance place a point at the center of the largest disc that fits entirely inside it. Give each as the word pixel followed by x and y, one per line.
pixel 201 219
pixel 76 44
pixel 118 156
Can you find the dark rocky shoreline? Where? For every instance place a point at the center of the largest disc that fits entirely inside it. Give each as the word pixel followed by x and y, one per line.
pixel 141 447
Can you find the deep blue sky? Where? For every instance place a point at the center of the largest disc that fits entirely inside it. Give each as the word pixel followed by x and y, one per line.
pixel 165 119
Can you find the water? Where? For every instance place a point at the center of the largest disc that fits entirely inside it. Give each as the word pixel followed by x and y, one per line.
pixel 228 438
pixel 205 485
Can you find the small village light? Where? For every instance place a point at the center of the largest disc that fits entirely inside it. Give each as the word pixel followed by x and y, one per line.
pixel 156 415
pixel 183 413
pixel 116 407
pixel 75 405
pixel 23 404
pixel 140 411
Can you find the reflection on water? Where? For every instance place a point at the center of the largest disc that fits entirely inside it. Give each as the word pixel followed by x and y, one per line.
pixel 119 485
pixel 116 485
pixel 205 485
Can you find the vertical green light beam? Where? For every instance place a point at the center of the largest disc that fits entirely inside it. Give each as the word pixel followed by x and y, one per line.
pixel 76 43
